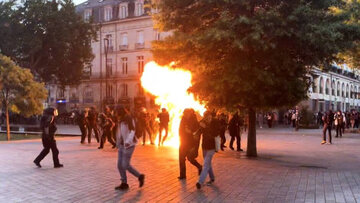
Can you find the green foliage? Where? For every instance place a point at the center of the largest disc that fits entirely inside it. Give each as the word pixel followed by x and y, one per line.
pixel 19 91
pixel 48 37
pixel 252 53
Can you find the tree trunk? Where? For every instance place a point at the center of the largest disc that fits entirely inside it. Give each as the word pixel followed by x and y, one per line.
pixel 251 141
pixel 7 122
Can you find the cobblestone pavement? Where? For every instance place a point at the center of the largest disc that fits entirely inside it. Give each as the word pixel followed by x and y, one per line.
pixel 291 167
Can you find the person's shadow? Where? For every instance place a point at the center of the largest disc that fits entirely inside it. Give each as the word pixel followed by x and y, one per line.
pixel 136 197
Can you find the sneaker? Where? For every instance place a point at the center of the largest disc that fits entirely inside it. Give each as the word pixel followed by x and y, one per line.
pixel 100 147
pixel 323 142
pixel 232 148
pixel 123 186
pixel 210 182
pixel 240 150
pixel 141 180
pixel 37 164
pixel 59 166
pixel 198 186
pixel 329 143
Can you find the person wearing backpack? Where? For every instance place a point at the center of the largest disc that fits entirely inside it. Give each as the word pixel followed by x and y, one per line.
pixel 48 128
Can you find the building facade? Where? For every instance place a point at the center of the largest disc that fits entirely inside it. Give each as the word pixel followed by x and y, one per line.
pixel 123 48
pixel 121 51
pixel 335 89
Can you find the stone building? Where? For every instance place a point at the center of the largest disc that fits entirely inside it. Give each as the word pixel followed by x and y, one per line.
pixel 123 45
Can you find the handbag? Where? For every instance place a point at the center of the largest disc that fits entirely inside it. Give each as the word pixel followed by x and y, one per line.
pixel 217 143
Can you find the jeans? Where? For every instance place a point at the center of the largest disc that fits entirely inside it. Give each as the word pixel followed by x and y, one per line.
pixel 339 130
pixel 207 169
pixel 327 127
pixel 124 157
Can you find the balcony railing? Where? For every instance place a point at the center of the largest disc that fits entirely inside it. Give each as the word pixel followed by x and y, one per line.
pixel 139 45
pixel 123 47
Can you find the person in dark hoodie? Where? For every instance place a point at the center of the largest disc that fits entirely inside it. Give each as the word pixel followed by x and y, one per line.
pixel 48 128
pixel 188 144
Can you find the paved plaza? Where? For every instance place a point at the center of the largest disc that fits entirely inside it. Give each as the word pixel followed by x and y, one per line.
pixel 291 167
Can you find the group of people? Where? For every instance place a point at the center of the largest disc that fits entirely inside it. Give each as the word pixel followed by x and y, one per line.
pixel 337 121
pixel 105 125
pixel 123 130
pixel 351 119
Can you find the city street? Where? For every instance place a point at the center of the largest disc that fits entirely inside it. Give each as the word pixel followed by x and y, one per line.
pixel 291 167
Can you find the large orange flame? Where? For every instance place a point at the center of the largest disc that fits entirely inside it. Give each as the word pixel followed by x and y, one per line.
pixel 170 86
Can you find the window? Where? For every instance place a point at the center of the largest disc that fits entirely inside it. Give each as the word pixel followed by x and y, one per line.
pixel 139 9
pixel 61 93
pixel 140 37
pixel 124 62
pixel 124 38
pixel 109 90
pixel 109 67
pixel 123 11
pixel 347 90
pixel 87 14
pixel 107 13
pixel 110 41
pixel 124 91
pixel 157 35
pixel 333 88
pixel 327 86
pixel 140 61
pixel 321 85
pixel 343 90
pixel 338 89
pixel 140 90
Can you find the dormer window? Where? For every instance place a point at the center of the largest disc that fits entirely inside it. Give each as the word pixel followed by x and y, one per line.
pixel 139 8
pixel 87 14
pixel 107 13
pixel 123 11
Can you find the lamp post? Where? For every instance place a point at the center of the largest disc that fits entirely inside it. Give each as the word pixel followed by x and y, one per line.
pixel 106 50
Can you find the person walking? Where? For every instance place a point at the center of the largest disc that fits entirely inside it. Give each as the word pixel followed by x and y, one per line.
pixel 141 125
pixel 339 119
pixel 235 125
pixel 107 125
pixel 327 120
pixel 208 131
pixel 188 148
pixel 164 125
pixel 222 126
pixel 269 119
pixel 48 128
pixel 126 142
pixel 92 124
pixel 83 124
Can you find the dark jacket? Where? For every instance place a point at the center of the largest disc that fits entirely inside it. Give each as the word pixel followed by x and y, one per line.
pixel 47 125
pixel 187 139
pixel 164 118
pixel 208 134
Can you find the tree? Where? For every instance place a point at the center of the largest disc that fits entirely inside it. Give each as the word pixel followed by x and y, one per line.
pixel 48 37
pixel 19 92
pixel 254 54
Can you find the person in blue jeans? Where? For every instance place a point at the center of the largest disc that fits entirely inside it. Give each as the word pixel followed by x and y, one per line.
pixel 208 130
pixel 126 142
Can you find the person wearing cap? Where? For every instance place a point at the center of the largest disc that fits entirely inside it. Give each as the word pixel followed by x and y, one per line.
pixel 208 131
pixel 48 128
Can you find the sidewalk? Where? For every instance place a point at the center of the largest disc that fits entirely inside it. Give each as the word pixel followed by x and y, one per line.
pixel 291 167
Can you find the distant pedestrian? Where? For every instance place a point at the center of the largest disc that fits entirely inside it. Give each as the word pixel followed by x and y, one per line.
pixel 222 126
pixel 107 125
pixel 141 125
pixel 126 142
pixel 189 146
pixel 208 131
pixel 260 117
pixel 338 123
pixel 235 125
pixel 48 128
pixel 83 125
pixel 164 125
pixel 269 119
pixel 92 124
pixel 327 120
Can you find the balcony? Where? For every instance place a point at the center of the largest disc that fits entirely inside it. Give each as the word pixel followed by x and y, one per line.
pixel 123 47
pixel 139 45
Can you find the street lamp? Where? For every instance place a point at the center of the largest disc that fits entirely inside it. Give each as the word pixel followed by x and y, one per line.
pixel 106 50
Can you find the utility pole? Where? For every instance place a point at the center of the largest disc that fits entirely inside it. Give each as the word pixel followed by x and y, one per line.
pixel 106 49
